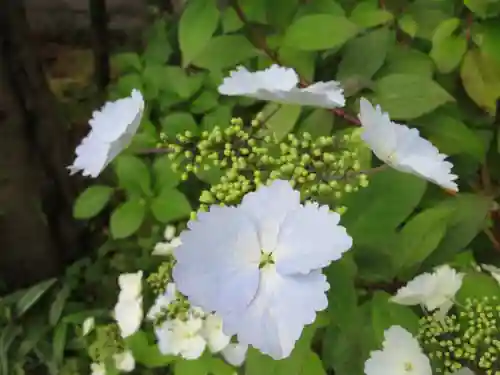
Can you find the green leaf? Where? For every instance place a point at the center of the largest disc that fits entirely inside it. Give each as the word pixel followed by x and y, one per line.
pixel 216 57
pixel 57 307
pixel 364 56
pixel 128 62
pixel 205 102
pixel 92 201
pixel 477 285
pixel 304 62
pixel 59 343
pixel 282 120
pixel 178 123
pixel 468 219
pixel 483 8
pixel 32 295
pixel 490 45
pixel 133 175
pixel 312 365
pixel 158 48
pixel 448 49
pixel 165 176
pixel 319 32
pixel 196 26
pixel 220 116
pixel 320 6
pixel 428 14
pixel 385 314
pixel 280 12
pixel 421 236
pixel 368 14
pixel 145 353
pixel 318 123
pixel 408 24
pixel 191 367
pixel 408 96
pixel 177 81
pixel 127 218
pixel 481 79
pixel 451 136
pixel 380 208
pixel 170 205
pixel 405 60
pixel 7 337
pixel 342 296
pixel 127 83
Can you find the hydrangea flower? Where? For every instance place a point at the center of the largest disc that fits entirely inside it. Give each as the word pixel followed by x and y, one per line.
pixel 213 334
pixel 403 148
pixel 258 265
pixel 433 291
pixel 170 243
pixel 112 130
pixel 181 337
pixel 401 354
pixel 279 84
pixel 235 354
pixel 97 369
pixel 124 361
pixel 128 310
pixel 162 302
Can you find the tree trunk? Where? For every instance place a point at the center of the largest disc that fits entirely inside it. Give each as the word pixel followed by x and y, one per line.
pixel 37 233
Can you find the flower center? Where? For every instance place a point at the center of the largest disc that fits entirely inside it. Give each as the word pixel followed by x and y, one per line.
pixel 266 258
pixel 408 367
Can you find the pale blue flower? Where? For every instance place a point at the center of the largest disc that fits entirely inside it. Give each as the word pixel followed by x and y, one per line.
pixel 258 265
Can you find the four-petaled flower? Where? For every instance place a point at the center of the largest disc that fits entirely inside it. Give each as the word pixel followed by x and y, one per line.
pixel 258 265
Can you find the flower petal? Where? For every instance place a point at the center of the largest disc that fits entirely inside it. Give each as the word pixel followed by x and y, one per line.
pixel 217 262
pixel 276 317
pixel 235 354
pixel 124 361
pixel 268 208
pixel 310 238
pixel 213 334
pixel 128 314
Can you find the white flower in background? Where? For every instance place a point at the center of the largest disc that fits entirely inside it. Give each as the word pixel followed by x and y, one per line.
pixel 433 291
pixel 130 285
pixel 178 337
pixel 88 325
pixel 494 271
pixel 401 354
pixel 403 148
pixel 97 369
pixel 112 130
pixel 258 265
pixel 279 84
pixel 213 334
pixel 235 354
pixel 162 302
pixel 128 310
pixel 124 361
pixel 167 247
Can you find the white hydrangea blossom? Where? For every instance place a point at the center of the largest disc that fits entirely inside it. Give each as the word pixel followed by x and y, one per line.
pixel 181 337
pixel 97 369
pixel 258 265
pixel 171 242
pixel 235 354
pixel 128 310
pixel 403 148
pixel 213 334
pixel 112 130
pixel 124 361
pixel 433 291
pixel 279 84
pixel 401 354
pixel 494 271
pixel 162 302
